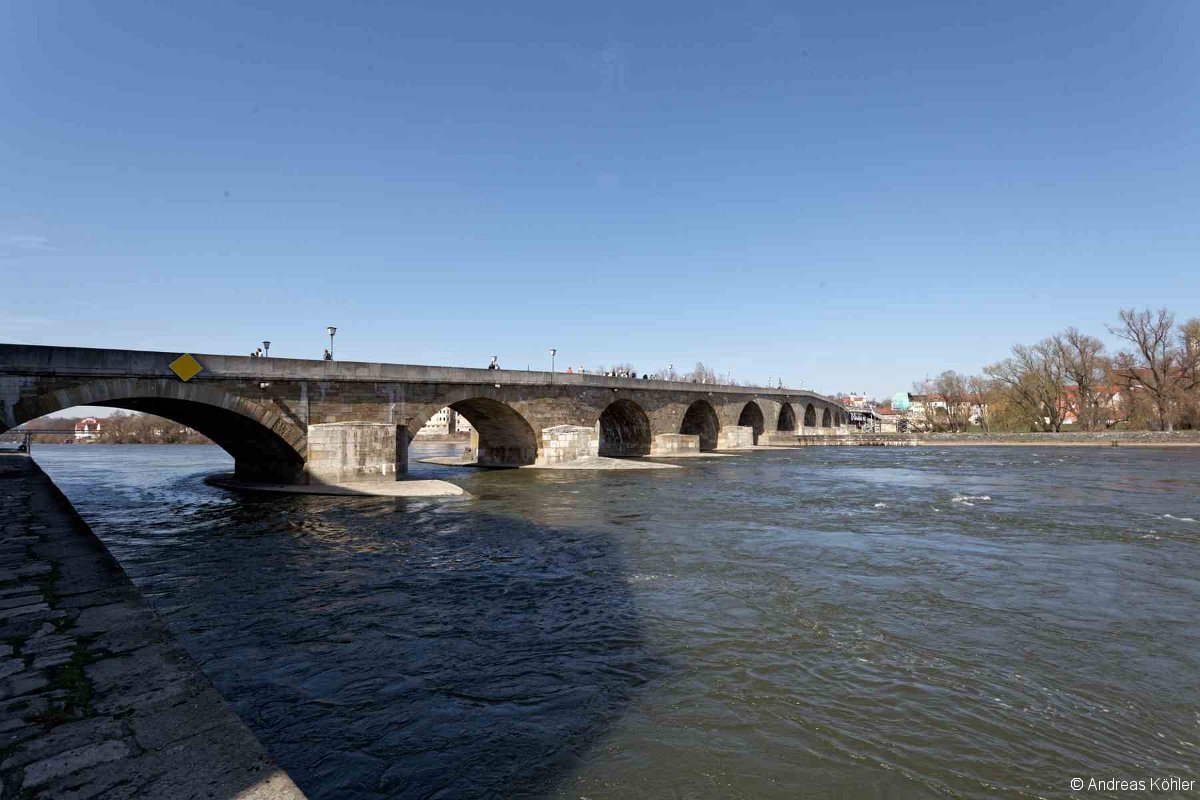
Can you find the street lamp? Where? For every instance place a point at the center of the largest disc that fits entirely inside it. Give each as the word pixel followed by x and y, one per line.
pixel 553 353
pixel 331 331
pixel 266 348
pixel 670 372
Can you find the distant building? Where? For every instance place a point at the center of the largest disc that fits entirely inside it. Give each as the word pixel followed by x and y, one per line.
pixel 928 411
pixel 853 400
pixel 87 429
pixel 876 419
pixel 445 422
pixel 890 420
pixel 1107 400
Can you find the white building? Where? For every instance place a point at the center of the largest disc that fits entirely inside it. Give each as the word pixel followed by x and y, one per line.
pixel 439 424
pixel 86 429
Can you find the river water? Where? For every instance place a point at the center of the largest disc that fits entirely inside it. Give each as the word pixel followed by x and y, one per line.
pixel 846 622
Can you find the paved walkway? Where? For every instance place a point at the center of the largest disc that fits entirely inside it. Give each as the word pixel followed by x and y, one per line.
pixel 96 699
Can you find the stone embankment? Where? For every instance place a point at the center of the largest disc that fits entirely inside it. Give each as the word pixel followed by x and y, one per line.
pixel 777 440
pixel 1070 439
pixel 96 698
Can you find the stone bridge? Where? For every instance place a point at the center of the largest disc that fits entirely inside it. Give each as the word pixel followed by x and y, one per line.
pixel 298 421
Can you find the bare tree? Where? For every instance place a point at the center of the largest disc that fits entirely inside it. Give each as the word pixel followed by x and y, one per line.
pixel 982 388
pixel 1032 379
pixel 923 414
pixel 953 390
pixel 1153 362
pixel 1189 368
pixel 1084 365
pixel 701 374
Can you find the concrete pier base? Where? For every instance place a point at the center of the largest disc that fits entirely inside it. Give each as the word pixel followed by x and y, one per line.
pixel 567 443
pixel 675 444
pixel 355 452
pixel 779 439
pixel 97 700
pixel 405 488
pixel 735 437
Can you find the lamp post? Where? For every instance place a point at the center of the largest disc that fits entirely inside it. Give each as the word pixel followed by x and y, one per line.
pixel 670 372
pixel 553 353
pixel 266 348
pixel 331 330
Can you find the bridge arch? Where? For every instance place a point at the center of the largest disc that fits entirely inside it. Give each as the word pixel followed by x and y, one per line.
pixel 624 430
pixel 506 438
pixel 264 444
pixel 752 417
pixel 810 416
pixel 826 419
pixel 701 420
pixel 787 418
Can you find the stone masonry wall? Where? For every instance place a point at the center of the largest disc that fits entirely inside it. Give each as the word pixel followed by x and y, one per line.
pixel 735 437
pixel 351 452
pixel 96 698
pixel 669 444
pixel 565 443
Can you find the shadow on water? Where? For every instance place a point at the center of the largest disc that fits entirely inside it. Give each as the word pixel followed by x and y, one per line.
pixel 393 648
pixel 858 622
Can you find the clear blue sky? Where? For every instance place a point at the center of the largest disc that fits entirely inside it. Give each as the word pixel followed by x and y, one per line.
pixel 847 195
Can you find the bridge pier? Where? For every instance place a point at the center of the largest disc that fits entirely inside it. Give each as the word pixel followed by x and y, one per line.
pixel 673 444
pixel 355 452
pixel 735 437
pixel 779 439
pixel 565 443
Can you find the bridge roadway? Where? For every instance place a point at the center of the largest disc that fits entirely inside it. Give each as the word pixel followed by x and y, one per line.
pixel 300 421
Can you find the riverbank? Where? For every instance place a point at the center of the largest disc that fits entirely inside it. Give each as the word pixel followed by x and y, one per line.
pixel 1066 439
pixel 96 697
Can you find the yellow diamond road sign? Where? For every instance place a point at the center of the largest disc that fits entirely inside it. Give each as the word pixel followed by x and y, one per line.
pixel 186 367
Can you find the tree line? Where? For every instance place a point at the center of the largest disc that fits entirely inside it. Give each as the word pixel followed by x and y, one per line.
pixel 1152 382
pixel 120 428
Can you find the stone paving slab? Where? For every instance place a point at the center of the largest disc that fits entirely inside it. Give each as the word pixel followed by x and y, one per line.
pixel 96 698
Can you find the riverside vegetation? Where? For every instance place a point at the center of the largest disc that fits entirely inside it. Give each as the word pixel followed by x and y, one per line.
pixel 1069 381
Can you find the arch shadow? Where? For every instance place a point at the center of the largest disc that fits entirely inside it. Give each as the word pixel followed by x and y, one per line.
pixel 702 420
pixel 624 430
pixel 265 446
pixel 505 438
pixel 810 416
pixel 752 417
pixel 826 419
pixel 459 659
pixel 787 418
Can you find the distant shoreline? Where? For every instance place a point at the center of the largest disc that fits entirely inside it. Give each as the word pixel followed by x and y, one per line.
pixel 1072 439
pixel 92 444
pixel 1001 443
